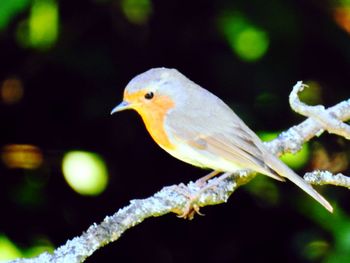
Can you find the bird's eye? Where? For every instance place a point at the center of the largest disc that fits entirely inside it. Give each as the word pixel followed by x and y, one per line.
pixel 149 95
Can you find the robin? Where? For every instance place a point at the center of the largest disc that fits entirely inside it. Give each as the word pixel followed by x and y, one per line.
pixel 197 127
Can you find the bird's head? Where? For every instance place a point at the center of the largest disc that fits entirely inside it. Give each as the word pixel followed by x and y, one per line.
pixel 157 89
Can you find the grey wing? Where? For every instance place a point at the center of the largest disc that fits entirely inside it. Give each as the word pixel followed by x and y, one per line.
pixel 225 135
pixel 221 132
pixel 243 151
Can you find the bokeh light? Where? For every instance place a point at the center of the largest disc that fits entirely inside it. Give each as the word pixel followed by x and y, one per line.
pixel 85 172
pixel 11 91
pixel 41 30
pixel 43 23
pixel 341 14
pixel 137 11
pixel 247 41
pixel 8 250
pixel 23 156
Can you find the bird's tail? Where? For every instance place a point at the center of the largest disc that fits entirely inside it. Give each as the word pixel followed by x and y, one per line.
pixel 279 167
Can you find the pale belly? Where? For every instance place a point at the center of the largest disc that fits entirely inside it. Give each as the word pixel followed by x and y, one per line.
pixel 202 158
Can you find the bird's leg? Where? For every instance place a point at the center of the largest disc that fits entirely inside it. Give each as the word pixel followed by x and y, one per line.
pixel 203 180
pixel 192 207
pixel 214 183
pixel 244 177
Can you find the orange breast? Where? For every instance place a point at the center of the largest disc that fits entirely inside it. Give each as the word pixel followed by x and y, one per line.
pixel 153 115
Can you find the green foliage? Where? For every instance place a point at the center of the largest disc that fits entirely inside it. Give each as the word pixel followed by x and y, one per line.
pixel 9 9
pixel 40 30
pixel 337 224
pixel 137 11
pixel 248 41
pixel 8 250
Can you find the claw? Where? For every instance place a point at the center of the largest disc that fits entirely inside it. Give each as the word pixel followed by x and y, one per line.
pixel 190 211
pixel 192 208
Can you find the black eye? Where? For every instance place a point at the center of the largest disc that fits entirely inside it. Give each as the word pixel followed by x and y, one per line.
pixel 149 95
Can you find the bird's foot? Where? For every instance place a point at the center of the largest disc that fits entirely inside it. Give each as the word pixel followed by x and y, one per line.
pixel 192 207
pixel 191 193
pixel 190 211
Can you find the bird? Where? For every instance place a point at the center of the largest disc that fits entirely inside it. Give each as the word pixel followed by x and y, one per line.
pixel 197 127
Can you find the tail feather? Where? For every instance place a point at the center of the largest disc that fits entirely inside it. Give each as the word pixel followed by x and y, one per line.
pixel 279 167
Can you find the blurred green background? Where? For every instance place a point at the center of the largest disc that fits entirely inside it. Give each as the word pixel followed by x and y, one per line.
pixel 66 163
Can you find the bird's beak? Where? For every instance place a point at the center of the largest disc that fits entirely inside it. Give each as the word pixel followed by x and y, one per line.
pixel 124 105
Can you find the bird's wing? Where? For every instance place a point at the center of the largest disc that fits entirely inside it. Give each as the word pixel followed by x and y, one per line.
pixel 233 142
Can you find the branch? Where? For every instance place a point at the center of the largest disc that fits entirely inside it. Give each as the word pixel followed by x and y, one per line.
pixel 167 200
pixel 293 139
pixel 325 118
pixel 325 177
pixel 175 199
pixel 330 120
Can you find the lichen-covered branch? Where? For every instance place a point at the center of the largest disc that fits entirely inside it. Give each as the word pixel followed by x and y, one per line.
pixel 169 199
pixel 176 199
pixel 292 139
pixel 326 119
pixel 325 177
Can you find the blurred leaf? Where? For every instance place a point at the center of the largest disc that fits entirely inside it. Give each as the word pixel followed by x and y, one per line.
pixel 248 41
pixel 10 8
pixel 338 224
pixel 41 30
pixel 41 245
pixel 8 250
pixel 316 249
pixel 137 11
pixel 43 23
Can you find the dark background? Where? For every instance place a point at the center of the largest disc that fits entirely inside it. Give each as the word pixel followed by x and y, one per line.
pixel 70 87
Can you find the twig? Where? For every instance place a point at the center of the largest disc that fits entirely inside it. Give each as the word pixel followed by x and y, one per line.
pixel 293 139
pixel 325 177
pixel 328 121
